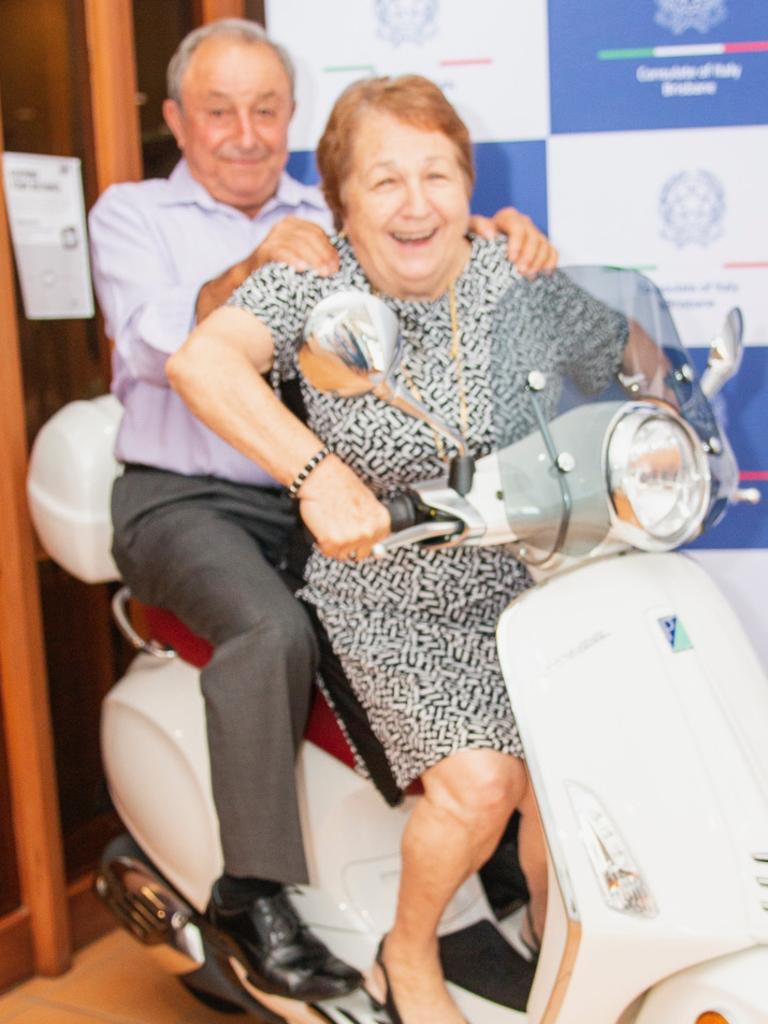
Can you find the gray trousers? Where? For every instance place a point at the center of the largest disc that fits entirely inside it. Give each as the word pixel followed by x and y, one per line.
pixel 207 550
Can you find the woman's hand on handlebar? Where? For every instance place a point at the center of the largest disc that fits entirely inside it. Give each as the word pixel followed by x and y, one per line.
pixel 344 516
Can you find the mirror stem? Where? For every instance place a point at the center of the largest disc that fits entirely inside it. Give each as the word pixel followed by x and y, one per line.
pixel 461 473
pixel 400 398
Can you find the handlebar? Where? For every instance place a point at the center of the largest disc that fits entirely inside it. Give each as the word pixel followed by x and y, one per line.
pixel 412 523
pixel 402 511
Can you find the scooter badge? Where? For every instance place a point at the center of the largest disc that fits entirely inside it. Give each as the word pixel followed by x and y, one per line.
pixel 674 631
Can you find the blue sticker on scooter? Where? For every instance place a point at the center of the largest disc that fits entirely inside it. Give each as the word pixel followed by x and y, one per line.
pixel 674 631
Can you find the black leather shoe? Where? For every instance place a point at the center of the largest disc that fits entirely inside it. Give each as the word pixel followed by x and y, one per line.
pixel 280 953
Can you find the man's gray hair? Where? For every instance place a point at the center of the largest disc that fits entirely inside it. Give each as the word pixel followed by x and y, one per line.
pixel 234 28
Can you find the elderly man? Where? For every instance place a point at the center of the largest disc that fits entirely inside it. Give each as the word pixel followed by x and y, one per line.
pixel 200 529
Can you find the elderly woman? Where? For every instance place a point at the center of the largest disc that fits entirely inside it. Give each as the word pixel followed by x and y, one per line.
pixel 414 633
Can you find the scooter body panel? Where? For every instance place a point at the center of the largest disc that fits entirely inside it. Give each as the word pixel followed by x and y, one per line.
pixel 155 755
pixel 352 840
pixel 734 986
pixel 164 797
pixel 632 679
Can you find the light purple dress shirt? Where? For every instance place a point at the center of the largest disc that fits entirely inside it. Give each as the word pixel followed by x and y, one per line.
pixel 153 245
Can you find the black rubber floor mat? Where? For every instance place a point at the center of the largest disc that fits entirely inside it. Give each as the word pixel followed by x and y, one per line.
pixel 481 960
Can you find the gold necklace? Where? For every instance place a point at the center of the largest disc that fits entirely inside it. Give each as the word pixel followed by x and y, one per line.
pixel 458 370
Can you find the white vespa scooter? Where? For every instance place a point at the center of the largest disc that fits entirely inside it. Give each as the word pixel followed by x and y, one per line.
pixel 643 711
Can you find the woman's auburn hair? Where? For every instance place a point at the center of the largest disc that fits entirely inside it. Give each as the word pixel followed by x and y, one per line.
pixel 411 99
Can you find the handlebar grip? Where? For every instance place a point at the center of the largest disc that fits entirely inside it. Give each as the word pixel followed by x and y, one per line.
pixel 402 511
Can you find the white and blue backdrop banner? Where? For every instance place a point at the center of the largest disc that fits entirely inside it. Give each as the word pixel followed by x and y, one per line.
pixel 635 134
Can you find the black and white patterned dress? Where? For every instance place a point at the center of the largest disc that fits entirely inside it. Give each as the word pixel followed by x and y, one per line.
pixel 415 632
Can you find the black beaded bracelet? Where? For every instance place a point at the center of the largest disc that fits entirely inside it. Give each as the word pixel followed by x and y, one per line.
pixel 302 475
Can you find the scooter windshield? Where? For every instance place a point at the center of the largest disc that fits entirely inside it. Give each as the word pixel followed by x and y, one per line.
pixel 570 349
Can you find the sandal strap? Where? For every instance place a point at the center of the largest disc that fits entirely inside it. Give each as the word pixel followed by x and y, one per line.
pixel 389 1003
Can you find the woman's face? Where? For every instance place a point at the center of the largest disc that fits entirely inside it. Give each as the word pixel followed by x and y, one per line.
pixel 406 207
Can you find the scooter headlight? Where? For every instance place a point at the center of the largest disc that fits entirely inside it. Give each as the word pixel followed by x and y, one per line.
pixel 618 876
pixel 659 478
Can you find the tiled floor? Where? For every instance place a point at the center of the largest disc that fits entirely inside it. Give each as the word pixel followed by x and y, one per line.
pixel 114 980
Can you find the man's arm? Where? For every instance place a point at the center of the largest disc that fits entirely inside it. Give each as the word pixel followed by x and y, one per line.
pixel 299 243
pixel 148 311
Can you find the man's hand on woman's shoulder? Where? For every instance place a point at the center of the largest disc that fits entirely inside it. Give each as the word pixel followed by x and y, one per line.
pixel 529 249
pixel 299 243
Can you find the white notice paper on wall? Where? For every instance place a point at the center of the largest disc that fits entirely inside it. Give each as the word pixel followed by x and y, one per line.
pixel 44 196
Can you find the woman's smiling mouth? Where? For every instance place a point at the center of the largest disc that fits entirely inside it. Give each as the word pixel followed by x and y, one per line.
pixel 414 239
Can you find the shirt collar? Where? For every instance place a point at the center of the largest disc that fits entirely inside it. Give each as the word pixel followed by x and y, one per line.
pixel 290 193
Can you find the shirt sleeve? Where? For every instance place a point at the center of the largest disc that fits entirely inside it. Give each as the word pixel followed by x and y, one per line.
pixel 282 299
pixel 148 313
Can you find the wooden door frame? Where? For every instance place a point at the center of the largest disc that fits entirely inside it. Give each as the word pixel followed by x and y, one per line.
pixel 210 10
pixel 112 74
pixel 23 678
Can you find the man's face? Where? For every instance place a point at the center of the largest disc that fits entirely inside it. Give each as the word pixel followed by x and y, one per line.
pixel 232 123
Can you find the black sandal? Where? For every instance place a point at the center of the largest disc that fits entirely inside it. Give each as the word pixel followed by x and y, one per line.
pixel 389 1002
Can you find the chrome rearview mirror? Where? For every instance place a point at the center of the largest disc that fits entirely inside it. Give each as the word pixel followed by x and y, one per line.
pixel 725 353
pixel 352 346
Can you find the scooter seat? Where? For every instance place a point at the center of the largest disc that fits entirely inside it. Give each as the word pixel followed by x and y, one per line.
pixel 322 728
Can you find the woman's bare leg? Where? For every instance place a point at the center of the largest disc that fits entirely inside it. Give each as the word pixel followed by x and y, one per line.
pixel 468 799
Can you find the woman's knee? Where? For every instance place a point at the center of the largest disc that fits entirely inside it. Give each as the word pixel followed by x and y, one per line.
pixel 479 786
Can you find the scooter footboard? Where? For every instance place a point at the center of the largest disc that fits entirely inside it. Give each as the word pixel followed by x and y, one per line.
pixel 643 711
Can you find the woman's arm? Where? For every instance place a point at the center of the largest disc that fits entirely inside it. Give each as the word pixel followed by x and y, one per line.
pixel 218 372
